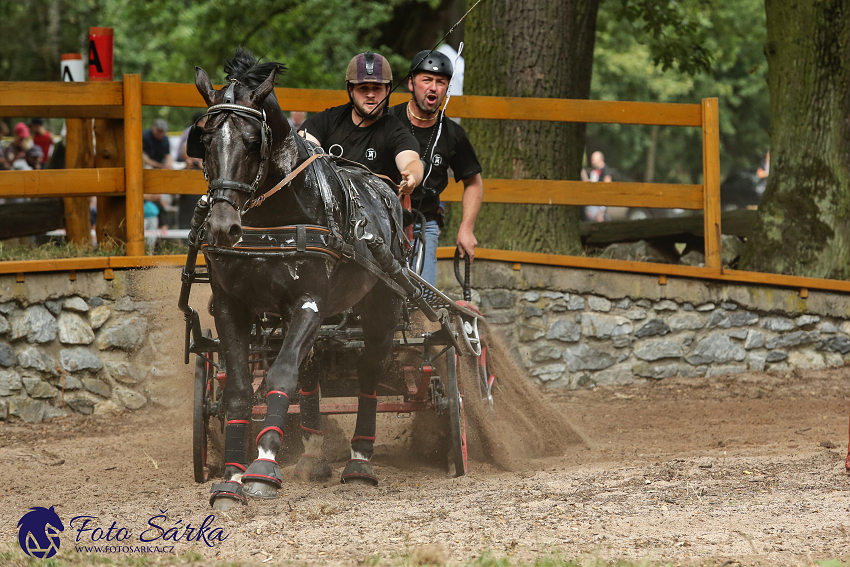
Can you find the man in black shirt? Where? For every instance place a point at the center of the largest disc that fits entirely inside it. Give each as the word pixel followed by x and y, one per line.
pixel 443 144
pixel 361 132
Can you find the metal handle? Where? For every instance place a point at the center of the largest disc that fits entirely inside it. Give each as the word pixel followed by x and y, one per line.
pixel 464 282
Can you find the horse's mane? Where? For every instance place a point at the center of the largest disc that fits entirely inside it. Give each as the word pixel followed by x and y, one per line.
pixel 245 68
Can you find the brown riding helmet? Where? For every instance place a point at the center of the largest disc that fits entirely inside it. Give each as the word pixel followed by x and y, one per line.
pixel 369 68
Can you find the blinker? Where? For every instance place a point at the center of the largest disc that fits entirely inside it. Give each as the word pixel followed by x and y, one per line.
pixel 194 145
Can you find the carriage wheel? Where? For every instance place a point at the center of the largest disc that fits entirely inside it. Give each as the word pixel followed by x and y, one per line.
pixel 457 416
pixel 468 331
pixel 485 379
pixel 204 372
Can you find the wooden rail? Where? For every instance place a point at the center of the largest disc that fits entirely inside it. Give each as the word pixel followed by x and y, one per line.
pixel 118 106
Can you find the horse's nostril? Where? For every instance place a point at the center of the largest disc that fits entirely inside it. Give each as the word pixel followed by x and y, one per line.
pixel 235 231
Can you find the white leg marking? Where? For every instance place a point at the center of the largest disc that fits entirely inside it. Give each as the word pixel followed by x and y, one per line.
pixel 265 454
pixel 310 305
pixel 357 455
pixel 237 477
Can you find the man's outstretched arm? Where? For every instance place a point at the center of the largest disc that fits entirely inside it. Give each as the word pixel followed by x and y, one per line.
pixel 411 169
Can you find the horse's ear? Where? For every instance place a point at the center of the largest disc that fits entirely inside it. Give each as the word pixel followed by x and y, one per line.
pixel 260 93
pixel 202 81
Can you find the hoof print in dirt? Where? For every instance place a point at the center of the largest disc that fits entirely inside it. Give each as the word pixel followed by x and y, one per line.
pixel 359 471
pixel 262 479
pixel 227 495
pixel 313 468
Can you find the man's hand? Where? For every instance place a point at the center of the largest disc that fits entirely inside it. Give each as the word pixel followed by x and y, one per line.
pixel 408 183
pixel 466 242
pixel 473 195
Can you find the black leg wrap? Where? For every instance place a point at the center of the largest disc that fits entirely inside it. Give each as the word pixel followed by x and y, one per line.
pixel 235 447
pixel 230 489
pixel 363 441
pixel 311 418
pixel 276 410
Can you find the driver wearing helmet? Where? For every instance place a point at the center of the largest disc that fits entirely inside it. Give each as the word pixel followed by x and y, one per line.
pixel 360 130
pixel 430 73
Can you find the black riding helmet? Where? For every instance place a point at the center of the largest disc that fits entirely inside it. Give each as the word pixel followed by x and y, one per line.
pixel 431 62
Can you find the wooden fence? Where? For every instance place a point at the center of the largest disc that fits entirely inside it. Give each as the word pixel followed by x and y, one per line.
pixel 111 169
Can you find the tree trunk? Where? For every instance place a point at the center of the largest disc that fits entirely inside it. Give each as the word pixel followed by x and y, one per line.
pixel 529 48
pixel 802 228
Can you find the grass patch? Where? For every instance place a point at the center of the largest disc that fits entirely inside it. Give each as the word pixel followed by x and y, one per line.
pixel 59 250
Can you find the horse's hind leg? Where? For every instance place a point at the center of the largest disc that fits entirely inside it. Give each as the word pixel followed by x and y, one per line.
pixel 312 465
pixel 233 326
pixel 380 317
pixel 263 478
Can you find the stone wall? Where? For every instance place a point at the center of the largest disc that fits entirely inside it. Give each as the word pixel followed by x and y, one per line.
pixel 83 346
pixel 98 346
pixel 580 328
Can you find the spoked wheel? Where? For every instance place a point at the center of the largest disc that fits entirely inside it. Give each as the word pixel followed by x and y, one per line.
pixel 204 389
pixel 457 416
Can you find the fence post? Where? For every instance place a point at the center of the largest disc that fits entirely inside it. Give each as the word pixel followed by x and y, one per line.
pixel 111 211
pixel 711 182
pixel 133 164
pixel 79 153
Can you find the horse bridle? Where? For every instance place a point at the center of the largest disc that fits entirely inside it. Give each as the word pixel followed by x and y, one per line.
pixel 195 148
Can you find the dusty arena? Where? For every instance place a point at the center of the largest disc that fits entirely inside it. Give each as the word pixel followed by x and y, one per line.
pixel 744 470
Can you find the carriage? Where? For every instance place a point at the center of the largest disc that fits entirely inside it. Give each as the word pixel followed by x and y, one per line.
pixel 423 376
pixel 313 279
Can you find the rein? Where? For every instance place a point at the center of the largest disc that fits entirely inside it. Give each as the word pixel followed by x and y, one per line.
pixel 261 199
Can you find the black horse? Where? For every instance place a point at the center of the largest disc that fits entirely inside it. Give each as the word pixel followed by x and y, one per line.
pixel 289 253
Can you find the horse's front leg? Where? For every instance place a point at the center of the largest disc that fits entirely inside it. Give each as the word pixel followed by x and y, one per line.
pixel 263 478
pixel 233 325
pixel 380 317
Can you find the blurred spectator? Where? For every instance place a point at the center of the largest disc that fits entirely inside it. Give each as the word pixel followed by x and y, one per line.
pixel 57 160
pixel 20 143
pixel 42 138
pixel 186 203
pixel 31 160
pixel 599 172
pixel 156 149
pixel 152 212
pixel 4 132
pixel 296 119
pixel 762 173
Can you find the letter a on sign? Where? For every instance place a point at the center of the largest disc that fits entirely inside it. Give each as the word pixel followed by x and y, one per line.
pixel 94 59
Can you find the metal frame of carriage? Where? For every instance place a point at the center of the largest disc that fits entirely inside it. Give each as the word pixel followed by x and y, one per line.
pixel 419 387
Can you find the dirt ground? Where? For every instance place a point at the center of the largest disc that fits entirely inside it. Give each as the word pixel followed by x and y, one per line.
pixel 745 469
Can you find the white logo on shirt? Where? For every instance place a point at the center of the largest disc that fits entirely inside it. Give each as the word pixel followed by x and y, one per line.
pixel 437 159
pixel 371 154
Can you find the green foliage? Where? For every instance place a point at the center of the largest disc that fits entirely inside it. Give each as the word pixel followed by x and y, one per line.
pixel 639 57
pixel 675 32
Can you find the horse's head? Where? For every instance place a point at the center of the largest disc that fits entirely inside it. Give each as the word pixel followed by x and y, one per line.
pixel 237 149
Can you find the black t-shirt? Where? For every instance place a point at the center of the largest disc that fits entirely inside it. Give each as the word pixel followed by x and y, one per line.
pixel 374 146
pixel 453 150
pixel 155 149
